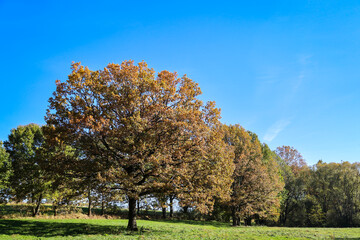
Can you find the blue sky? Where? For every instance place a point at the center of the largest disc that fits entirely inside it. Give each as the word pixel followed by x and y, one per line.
pixel 286 70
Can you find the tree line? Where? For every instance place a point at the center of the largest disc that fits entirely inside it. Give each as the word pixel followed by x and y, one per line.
pixel 125 133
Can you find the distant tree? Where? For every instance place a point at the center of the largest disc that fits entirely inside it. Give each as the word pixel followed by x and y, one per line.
pixel 296 174
pixel 59 162
pixel 146 134
pixel 336 188
pixel 162 202
pixel 27 180
pixel 271 209
pixel 319 190
pixel 255 186
pixel 5 171
pixel 292 158
pixel 71 172
pixel 104 194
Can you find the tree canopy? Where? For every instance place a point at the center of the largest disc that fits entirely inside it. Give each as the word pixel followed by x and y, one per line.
pixel 27 178
pixel 256 180
pixel 145 134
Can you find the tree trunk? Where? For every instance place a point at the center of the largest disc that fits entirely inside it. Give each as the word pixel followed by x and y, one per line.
pixel 248 221
pixel 164 212
pixel 102 207
pixel 257 219
pixel 234 217
pixel 171 207
pixel 138 206
pixel 283 215
pixel 55 210
pixel 36 210
pixel 89 207
pixel 132 215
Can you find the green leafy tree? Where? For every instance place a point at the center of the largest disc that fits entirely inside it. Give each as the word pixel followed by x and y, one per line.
pixel 72 174
pixel 315 215
pixel 56 161
pixel 295 173
pixel 319 189
pixel 27 180
pixel 5 171
pixel 336 188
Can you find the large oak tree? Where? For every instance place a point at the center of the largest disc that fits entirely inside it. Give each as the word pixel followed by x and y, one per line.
pixel 145 133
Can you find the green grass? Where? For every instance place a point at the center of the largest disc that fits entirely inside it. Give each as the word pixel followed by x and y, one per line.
pixel 116 229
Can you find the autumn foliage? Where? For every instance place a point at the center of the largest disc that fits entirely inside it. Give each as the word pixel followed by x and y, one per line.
pixel 256 181
pixel 146 133
pixel 127 134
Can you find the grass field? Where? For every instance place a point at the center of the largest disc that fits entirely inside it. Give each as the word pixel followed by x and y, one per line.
pixel 32 228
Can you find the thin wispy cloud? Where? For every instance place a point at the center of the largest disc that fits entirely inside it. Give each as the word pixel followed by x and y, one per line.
pixel 298 81
pixel 275 129
pixel 305 59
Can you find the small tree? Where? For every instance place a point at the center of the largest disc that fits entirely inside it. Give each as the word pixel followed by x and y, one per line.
pixel 27 179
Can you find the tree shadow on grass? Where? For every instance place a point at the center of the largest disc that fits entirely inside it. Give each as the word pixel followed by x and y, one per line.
pixel 53 229
pixel 193 222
